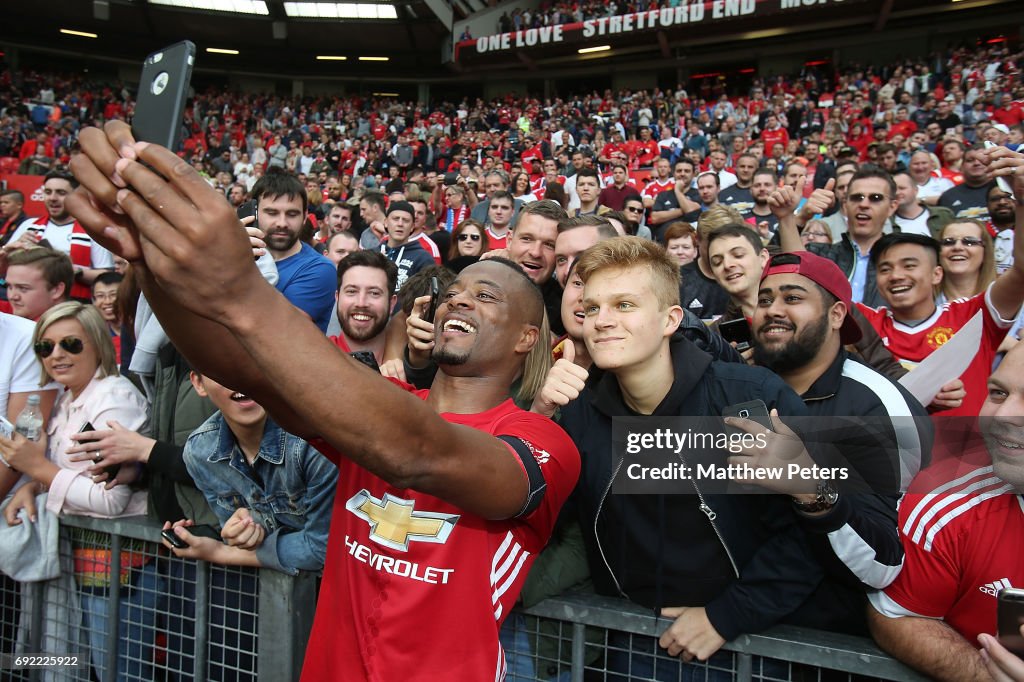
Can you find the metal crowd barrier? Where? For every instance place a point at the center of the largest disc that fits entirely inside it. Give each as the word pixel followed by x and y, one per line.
pixel 170 619
pixel 598 638
pixel 179 619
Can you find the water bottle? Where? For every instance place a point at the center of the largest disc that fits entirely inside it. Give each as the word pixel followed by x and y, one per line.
pixel 30 421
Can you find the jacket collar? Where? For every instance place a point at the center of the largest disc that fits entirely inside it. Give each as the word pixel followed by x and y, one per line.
pixel 827 385
pixel 689 364
pixel 271 445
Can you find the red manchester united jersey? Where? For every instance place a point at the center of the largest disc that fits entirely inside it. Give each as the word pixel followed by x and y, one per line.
pixel 911 345
pixel 656 187
pixel 961 550
pixel 415 588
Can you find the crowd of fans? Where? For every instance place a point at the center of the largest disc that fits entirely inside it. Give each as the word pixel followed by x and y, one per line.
pixel 555 13
pixel 805 244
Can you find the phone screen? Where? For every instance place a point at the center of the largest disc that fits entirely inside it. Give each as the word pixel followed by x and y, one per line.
pixel 736 331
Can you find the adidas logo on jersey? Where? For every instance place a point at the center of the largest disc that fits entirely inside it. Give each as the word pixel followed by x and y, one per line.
pixel 994 588
pixel 695 303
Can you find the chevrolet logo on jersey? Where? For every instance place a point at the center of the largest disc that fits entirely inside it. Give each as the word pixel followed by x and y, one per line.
pixel 394 523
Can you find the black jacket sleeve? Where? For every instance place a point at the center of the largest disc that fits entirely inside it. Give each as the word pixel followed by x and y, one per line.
pixel 166 459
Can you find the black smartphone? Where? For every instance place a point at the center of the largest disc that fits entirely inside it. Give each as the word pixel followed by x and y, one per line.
pixel 435 298
pixel 1011 617
pixel 246 210
pixel 163 92
pixel 755 410
pixel 202 530
pixel 111 470
pixel 737 331
pixel 367 358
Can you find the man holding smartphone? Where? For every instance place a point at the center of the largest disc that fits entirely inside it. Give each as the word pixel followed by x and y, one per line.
pixel 960 525
pixel 286 489
pixel 430 510
pixel 306 278
pixel 862 419
pixel 716 566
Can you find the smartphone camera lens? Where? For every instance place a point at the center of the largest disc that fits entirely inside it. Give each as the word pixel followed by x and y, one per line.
pixel 160 83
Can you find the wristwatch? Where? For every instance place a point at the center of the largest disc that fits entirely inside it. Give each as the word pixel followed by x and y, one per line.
pixel 827 496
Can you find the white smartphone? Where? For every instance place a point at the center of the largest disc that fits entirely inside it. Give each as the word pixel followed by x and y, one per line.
pixel 1001 181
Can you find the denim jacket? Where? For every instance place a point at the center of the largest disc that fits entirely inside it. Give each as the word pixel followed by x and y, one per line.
pixel 289 489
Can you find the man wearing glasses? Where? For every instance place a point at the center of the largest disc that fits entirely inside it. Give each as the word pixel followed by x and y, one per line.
pixel 633 210
pixel 1001 210
pixel 870 203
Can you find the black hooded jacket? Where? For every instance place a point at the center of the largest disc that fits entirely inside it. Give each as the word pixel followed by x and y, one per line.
pixel 742 556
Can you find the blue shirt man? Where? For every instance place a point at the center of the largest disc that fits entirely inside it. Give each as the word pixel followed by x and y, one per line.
pixel 307 279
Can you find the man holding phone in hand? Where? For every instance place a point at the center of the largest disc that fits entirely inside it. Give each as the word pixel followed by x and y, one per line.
pixel 716 566
pixel 275 514
pixel 959 525
pixel 421 517
pixel 864 420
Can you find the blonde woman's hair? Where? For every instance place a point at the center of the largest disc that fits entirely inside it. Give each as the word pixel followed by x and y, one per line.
pixel 987 272
pixel 95 329
pixel 538 363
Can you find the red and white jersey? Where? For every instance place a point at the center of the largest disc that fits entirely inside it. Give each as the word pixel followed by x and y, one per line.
pixel 959 539
pixel 530 154
pixel 496 242
pixel 65 238
pixel 429 246
pixel 954 176
pixel 910 345
pixel 656 187
pixel 416 588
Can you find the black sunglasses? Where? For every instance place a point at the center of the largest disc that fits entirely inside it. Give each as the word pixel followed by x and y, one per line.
pixel 72 344
pixel 465 235
pixel 966 241
pixel 873 198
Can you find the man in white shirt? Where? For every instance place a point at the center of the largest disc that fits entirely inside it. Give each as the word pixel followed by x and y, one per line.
pixel 929 186
pixel 60 231
pixel 912 215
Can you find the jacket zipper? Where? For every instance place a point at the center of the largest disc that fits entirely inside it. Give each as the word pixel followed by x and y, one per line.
pixel 597 536
pixel 710 513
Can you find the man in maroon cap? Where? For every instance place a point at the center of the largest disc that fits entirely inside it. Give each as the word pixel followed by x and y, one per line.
pixel 859 419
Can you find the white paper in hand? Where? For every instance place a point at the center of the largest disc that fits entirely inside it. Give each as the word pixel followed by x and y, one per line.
pixel 946 363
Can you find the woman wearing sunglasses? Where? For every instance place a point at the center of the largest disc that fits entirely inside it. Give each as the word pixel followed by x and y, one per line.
pixel 73 347
pixel 967 258
pixel 469 240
